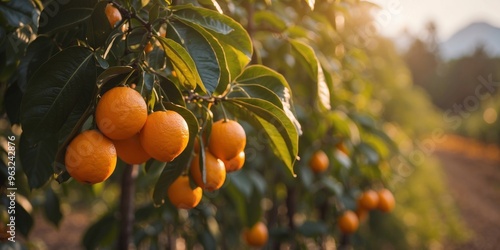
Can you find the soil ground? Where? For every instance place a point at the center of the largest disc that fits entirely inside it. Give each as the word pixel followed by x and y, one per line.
pixel 473 174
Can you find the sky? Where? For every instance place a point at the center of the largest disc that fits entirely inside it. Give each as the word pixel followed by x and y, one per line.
pixel 449 15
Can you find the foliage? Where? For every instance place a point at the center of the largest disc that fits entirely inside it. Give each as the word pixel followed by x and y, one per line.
pixel 283 69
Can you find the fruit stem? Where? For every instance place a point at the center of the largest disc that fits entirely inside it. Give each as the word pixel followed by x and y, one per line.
pixel 127 206
pixel 223 111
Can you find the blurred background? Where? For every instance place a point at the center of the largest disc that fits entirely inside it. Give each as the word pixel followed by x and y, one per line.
pixel 429 69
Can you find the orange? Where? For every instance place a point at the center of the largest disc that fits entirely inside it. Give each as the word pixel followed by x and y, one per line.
pixel 256 236
pixel 319 162
pixel 386 200
pixel 165 135
pixel 236 163
pixel 215 172
pixel 348 222
pixel 90 157
pixel 227 139
pixel 148 48
pixel 121 113
pixel 182 195
pixel 131 151
pixel 113 14
pixel 368 200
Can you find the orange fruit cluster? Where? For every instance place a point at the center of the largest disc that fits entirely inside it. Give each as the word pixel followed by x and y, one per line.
pixel 125 131
pixel 224 154
pixel 382 200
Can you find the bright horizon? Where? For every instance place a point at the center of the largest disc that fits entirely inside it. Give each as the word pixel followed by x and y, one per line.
pixel 449 15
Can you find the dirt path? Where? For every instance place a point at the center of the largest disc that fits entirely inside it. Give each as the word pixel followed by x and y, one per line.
pixel 474 181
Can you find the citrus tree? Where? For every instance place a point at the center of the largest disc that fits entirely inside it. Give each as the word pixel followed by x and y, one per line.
pixel 194 110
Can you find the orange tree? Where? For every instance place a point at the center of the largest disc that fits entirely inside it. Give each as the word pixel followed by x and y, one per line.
pixel 210 64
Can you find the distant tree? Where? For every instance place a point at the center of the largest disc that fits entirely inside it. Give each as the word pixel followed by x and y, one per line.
pixel 423 60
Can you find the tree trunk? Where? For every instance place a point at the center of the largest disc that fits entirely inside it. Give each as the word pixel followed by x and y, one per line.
pixel 127 206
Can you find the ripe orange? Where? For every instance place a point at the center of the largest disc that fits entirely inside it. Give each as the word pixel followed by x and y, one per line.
pixel 319 162
pixel 113 14
pixel 131 151
pixel 215 172
pixel 182 195
pixel 256 236
pixel 121 113
pixel 348 222
pixel 386 200
pixel 165 135
pixel 148 48
pixel 368 200
pixel 236 163
pixel 227 139
pixel 90 157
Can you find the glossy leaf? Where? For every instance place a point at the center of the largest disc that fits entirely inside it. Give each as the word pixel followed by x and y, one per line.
pixel 52 207
pixel 234 38
pixel 274 81
pixel 17 13
pixel 183 64
pixel 264 116
pixel 308 59
pixel 55 89
pixel 97 28
pixel 225 74
pixel 113 72
pixel 52 21
pixel 173 94
pixel 37 159
pixel 38 51
pixel 200 50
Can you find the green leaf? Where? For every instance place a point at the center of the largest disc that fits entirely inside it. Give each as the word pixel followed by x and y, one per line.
pixel 200 50
pixel 269 19
pixel 183 64
pixel 37 159
pixel 38 51
pixel 66 17
pixel 55 89
pixel 99 231
pixel 17 13
pixel 308 59
pixel 12 103
pixel 175 168
pixel 225 75
pixel 254 211
pixel 173 93
pixel 264 116
pixel 256 91
pixel 113 72
pixel 24 221
pixel 97 28
pixel 274 81
pixel 369 152
pixel 52 207
pixel 232 36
